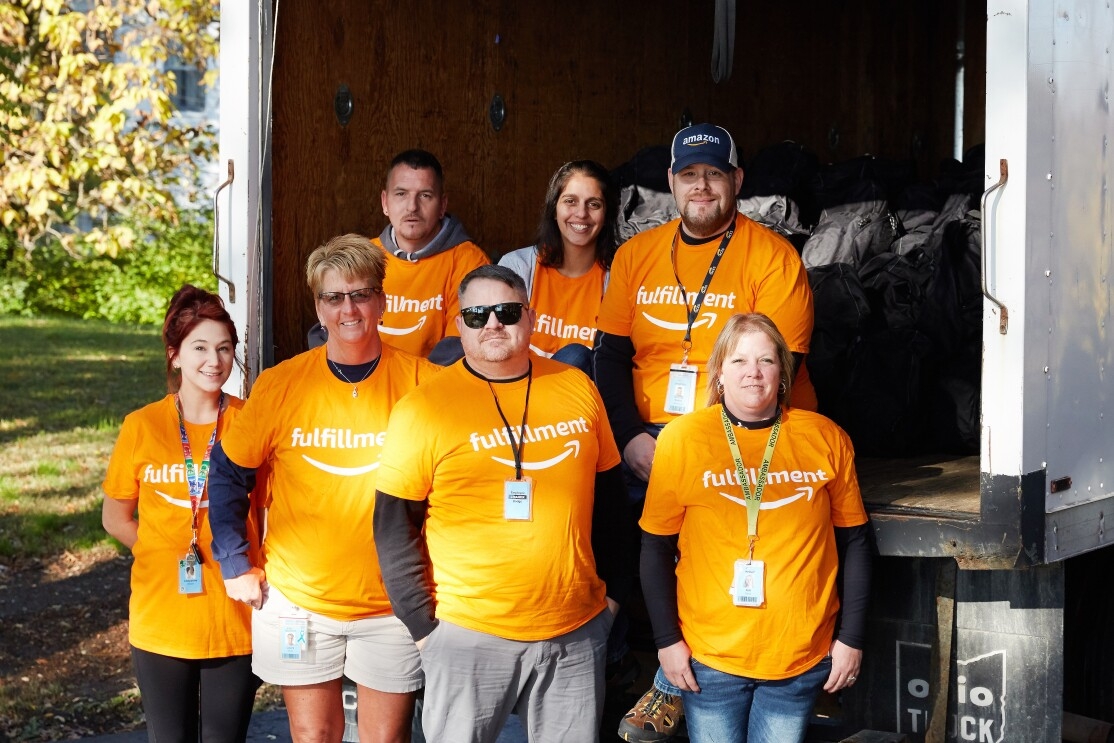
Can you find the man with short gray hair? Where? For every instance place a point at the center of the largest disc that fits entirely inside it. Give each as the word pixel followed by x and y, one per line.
pixel 496 495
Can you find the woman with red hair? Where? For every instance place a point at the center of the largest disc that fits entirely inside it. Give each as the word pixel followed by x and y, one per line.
pixel 190 644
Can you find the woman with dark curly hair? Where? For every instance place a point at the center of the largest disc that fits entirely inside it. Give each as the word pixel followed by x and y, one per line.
pixel 566 270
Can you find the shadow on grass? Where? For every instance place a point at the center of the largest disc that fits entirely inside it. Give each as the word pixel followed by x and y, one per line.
pixel 60 374
pixel 102 588
pixel 36 535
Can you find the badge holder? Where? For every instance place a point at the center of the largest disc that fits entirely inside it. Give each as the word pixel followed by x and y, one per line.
pixel 294 638
pixel 518 499
pixel 189 572
pixel 680 397
pixel 749 588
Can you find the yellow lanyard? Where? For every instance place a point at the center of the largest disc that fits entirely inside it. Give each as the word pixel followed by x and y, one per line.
pixel 753 499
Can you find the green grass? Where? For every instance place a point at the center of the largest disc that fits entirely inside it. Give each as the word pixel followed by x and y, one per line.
pixel 65 386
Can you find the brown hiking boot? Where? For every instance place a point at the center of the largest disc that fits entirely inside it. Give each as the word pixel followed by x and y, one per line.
pixel 654 718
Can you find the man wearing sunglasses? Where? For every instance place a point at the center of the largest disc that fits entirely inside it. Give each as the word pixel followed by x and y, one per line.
pixel 495 495
pixel 428 253
pixel 672 289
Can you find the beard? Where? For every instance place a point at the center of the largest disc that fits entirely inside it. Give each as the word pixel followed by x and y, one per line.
pixel 702 223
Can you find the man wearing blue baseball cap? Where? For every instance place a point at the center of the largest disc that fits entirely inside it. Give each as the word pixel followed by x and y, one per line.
pixel 672 289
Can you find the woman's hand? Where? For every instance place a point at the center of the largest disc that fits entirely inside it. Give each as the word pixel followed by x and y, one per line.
pixel 846 664
pixel 639 454
pixel 249 587
pixel 675 664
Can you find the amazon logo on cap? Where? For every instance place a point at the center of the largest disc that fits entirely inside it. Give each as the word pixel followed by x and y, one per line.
pixel 695 140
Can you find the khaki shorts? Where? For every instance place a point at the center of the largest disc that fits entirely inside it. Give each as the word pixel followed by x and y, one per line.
pixel 377 652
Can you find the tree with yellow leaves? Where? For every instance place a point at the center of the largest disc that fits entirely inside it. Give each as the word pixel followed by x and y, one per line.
pixel 87 122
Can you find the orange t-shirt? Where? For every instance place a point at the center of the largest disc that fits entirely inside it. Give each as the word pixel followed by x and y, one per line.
pixel 811 488
pixel 519 580
pixel 322 446
pixel 421 296
pixel 760 272
pixel 567 308
pixel 148 464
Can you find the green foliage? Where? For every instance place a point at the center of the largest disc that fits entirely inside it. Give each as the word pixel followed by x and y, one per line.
pixel 133 287
pixel 88 123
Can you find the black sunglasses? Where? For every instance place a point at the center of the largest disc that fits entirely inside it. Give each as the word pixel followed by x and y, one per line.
pixel 336 299
pixel 507 313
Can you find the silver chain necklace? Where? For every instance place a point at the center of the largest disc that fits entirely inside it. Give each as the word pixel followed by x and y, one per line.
pixel 336 367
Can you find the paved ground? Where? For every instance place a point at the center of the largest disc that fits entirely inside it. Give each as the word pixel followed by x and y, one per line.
pixel 266 727
pixel 271 727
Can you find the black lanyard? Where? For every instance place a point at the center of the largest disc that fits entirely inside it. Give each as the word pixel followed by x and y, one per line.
pixel 516 448
pixel 698 301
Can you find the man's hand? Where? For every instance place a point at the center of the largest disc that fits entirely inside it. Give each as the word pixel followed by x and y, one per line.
pixel 249 587
pixel 639 454
pixel 612 606
pixel 675 664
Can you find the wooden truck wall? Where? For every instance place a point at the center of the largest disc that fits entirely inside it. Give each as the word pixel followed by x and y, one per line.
pixel 582 79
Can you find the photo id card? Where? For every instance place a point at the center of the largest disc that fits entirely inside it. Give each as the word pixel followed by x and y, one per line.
pixel 680 397
pixel 293 639
pixel 518 499
pixel 749 588
pixel 189 575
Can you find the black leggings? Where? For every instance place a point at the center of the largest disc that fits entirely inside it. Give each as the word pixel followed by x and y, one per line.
pixel 182 697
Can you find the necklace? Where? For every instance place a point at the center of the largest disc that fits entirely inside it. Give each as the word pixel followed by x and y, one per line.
pixel 336 368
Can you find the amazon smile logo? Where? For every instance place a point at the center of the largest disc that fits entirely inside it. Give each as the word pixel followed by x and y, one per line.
pixel 181 502
pixel 326 439
pixel 333 469
pixel 403 331
pixel 706 318
pixel 572 449
pixel 802 492
pixel 653 299
pixel 500 440
pixel 729 478
pixel 395 304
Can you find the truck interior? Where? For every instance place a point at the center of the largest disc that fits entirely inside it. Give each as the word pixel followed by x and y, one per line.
pixel 503 92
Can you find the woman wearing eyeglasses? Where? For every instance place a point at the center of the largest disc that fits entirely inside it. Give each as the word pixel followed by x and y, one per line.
pixel 317 423
pixel 566 270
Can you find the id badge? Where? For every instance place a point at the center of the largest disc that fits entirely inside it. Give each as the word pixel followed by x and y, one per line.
pixel 294 639
pixel 680 396
pixel 189 575
pixel 749 588
pixel 518 499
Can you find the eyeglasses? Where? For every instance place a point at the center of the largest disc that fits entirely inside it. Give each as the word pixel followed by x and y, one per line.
pixel 507 313
pixel 336 299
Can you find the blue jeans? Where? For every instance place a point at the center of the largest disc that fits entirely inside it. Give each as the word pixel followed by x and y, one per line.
pixel 578 355
pixel 737 709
